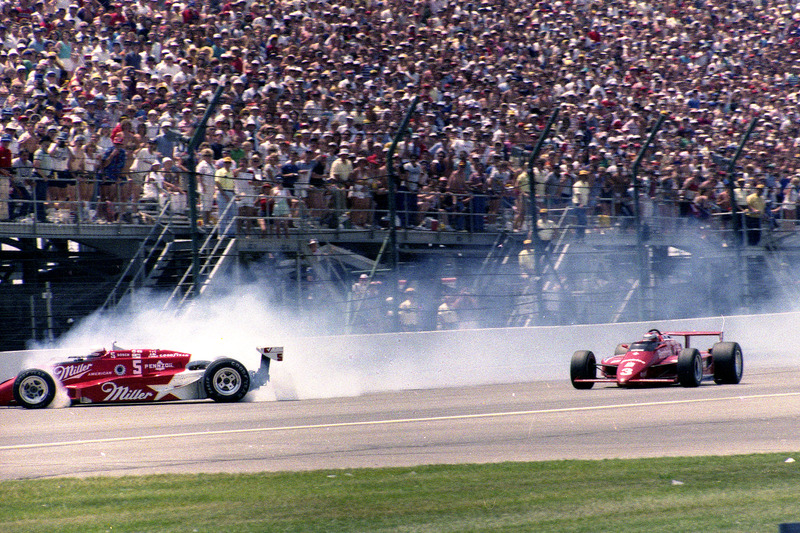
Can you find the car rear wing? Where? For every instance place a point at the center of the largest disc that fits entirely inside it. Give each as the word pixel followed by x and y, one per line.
pixel 272 352
pixel 261 377
pixel 689 334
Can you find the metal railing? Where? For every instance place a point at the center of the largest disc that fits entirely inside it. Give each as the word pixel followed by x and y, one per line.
pixel 426 210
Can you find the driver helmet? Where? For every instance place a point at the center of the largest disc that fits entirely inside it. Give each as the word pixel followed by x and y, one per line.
pixel 650 337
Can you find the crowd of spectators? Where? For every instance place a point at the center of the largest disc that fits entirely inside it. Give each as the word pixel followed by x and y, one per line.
pixel 97 99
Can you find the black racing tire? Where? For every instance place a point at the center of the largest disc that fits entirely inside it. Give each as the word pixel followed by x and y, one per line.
pixel 690 368
pixel 621 349
pixel 34 389
pixel 583 366
pixel 728 363
pixel 197 365
pixel 226 380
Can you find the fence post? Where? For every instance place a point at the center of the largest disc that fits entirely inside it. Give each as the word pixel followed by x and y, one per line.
pixel 640 237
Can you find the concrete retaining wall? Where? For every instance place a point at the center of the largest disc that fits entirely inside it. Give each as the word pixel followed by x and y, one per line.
pixel 350 365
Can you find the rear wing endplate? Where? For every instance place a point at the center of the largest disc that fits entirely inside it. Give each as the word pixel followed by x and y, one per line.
pixel 273 352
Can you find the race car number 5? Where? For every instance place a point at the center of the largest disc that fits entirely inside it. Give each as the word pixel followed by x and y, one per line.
pixel 137 367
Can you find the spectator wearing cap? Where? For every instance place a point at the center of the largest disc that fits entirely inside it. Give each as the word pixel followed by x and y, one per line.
pixel 143 158
pixel 756 211
pixel 580 202
pixel 152 123
pixel 167 140
pixel 281 200
pixel 217 143
pixel 413 178
pixel 174 178
pixel 526 259
pixel 791 196
pixel 546 229
pixel 22 185
pixel 112 180
pixel 205 172
pixel 457 191
pixel 224 178
pixel 43 169
pixel 248 188
pixel 338 178
pixel 409 311
pixel 82 168
pixel 167 66
pixel 62 184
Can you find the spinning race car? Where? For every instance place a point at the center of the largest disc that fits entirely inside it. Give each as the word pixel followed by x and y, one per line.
pixel 122 376
pixel 660 359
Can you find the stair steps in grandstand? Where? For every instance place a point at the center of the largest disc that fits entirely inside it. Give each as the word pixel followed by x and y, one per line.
pixel 169 265
pixel 214 255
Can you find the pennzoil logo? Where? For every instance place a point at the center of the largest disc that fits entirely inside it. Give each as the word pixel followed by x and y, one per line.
pixel 159 366
pixel 64 373
pixel 120 370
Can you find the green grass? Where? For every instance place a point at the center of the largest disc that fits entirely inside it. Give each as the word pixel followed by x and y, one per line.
pixel 751 493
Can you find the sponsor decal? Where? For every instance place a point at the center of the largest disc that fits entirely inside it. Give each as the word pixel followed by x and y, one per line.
pixel 159 366
pixel 104 373
pixel 64 373
pixel 119 370
pixel 631 361
pixel 121 393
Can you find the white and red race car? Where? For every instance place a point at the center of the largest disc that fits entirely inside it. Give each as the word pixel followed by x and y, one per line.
pixel 123 376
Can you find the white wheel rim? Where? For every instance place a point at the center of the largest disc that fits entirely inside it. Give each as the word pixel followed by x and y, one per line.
pixel 698 369
pixel 227 381
pixel 33 389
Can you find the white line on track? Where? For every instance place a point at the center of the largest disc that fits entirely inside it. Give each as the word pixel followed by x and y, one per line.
pixel 390 421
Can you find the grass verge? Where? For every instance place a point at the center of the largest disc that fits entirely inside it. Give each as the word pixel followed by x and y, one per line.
pixel 749 493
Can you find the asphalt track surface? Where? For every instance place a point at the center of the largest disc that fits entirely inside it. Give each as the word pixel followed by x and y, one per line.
pixel 508 422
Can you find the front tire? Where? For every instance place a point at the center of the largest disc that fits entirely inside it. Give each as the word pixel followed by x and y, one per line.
pixel 690 368
pixel 728 363
pixel 226 380
pixel 583 366
pixel 34 389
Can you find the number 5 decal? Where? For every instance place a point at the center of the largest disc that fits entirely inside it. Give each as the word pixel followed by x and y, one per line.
pixel 137 367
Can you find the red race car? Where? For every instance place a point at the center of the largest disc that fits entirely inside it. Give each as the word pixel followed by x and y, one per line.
pixel 660 359
pixel 116 375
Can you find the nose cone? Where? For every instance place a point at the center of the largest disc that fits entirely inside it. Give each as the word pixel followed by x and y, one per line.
pixel 629 370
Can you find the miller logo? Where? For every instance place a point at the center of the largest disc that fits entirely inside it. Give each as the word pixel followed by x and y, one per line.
pixel 64 373
pixel 118 393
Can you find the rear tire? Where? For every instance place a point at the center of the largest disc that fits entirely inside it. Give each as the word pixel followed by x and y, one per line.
pixel 728 363
pixel 690 368
pixel 583 366
pixel 226 380
pixel 34 389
